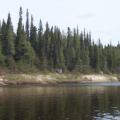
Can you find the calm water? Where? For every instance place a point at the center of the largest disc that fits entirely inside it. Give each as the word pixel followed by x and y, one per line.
pixel 98 101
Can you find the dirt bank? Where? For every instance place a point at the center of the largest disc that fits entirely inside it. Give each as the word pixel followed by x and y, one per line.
pixel 53 79
pixel 100 78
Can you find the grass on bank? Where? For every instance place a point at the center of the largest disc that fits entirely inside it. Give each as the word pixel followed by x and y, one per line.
pixel 16 78
pixel 33 75
pixel 51 78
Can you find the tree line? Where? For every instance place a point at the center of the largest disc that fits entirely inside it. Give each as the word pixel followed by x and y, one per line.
pixel 51 49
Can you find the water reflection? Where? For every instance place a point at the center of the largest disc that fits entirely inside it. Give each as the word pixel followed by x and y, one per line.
pixel 60 103
pixel 105 116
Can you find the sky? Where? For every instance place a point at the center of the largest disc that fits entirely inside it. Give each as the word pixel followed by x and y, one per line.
pixel 100 17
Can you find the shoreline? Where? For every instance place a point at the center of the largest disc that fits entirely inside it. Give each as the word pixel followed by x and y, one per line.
pixel 54 78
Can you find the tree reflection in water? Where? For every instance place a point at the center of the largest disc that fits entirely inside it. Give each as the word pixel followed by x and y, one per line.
pixel 59 102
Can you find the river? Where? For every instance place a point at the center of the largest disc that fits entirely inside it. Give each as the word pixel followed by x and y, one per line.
pixel 91 101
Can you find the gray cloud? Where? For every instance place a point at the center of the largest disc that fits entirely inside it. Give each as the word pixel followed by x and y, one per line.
pixel 86 16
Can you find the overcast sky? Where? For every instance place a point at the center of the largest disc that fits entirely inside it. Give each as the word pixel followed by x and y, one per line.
pixel 100 17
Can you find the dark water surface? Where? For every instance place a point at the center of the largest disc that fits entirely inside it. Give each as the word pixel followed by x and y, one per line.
pixel 94 101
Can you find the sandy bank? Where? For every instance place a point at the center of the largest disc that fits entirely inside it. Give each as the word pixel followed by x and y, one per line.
pixel 100 78
pixel 54 79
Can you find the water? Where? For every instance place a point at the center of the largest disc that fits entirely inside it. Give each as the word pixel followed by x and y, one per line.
pixel 92 101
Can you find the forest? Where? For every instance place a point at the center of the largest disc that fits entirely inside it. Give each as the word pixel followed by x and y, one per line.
pixel 47 49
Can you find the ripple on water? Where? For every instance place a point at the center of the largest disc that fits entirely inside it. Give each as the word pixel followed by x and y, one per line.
pixel 108 116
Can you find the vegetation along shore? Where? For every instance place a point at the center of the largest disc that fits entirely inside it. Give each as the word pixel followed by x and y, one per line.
pixel 31 50
pixel 54 78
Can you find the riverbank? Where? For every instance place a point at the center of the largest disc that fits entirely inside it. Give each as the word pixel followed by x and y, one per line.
pixel 54 78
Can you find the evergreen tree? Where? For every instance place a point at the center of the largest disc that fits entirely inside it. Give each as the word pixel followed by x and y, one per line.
pixel 10 48
pixel 27 53
pixel 55 48
pixel 78 61
pixel 2 57
pixel 91 54
pixel 33 37
pixel 43 62
pixel 47 40
pixel 114 60
pixel 51 48
pixel 100 48
pixel 24 51
pixel 105 65
pixel 75 40
pixel 68 52
pixel 81 41
pixel 34 43
pixel 96 58
pixel 31 29
pixel 3 37
pixel 19 38
pixel 60 50
pixel 110 56
pixel 40 38
pixel 85 56
pixel 27 24
pixel 86 59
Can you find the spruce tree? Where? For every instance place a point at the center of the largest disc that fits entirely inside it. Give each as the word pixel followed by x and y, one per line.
pixel 91 54
pixel 34 43
pixel 96 58
pixel 110 56
pixel 24 51
pixel 60 50
pixel 19 38
pixel 51 63
pixel 31 29
pixel 43 62
pixel 55 48
pixel 33 36
pixel 81 41
pixel 105 65
pixel 3 37
pixel 28 55
pixel 75 39
pixel 2 57
pixel 10 50
pixel 68 54
pixel 47 40
pixel 100 48
pixel 27 24
pixel 78 60
pixel 40 38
